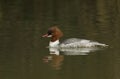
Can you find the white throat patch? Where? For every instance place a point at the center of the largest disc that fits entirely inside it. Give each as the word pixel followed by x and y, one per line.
pixel 54 44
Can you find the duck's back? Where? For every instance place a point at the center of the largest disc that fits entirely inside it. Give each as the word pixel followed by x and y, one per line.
pixel 75 42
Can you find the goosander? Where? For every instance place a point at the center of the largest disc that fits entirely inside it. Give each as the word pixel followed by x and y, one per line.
pixel 55 34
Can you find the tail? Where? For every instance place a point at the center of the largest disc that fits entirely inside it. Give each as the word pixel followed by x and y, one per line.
pixel 101 45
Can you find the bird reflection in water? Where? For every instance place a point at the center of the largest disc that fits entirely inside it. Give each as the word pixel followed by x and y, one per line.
pixel 54 59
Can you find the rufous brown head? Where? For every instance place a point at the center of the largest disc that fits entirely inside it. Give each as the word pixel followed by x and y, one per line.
pixel 53 32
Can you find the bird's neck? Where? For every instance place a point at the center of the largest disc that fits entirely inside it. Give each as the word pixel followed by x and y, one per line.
pixel 54 43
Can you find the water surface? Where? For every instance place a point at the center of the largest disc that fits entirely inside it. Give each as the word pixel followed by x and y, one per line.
pixel 23 52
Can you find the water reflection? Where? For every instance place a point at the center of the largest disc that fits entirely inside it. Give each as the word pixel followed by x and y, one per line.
pixel 56 56
pixel 54 59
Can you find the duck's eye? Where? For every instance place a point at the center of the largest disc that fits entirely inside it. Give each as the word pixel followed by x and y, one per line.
pixel 49 33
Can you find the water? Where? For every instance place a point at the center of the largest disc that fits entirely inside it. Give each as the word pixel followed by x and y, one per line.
pixel 23 52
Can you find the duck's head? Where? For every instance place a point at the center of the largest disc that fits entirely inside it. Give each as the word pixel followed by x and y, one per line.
pixel 54 33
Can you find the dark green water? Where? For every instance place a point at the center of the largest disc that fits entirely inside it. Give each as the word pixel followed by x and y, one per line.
pixel 23 52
